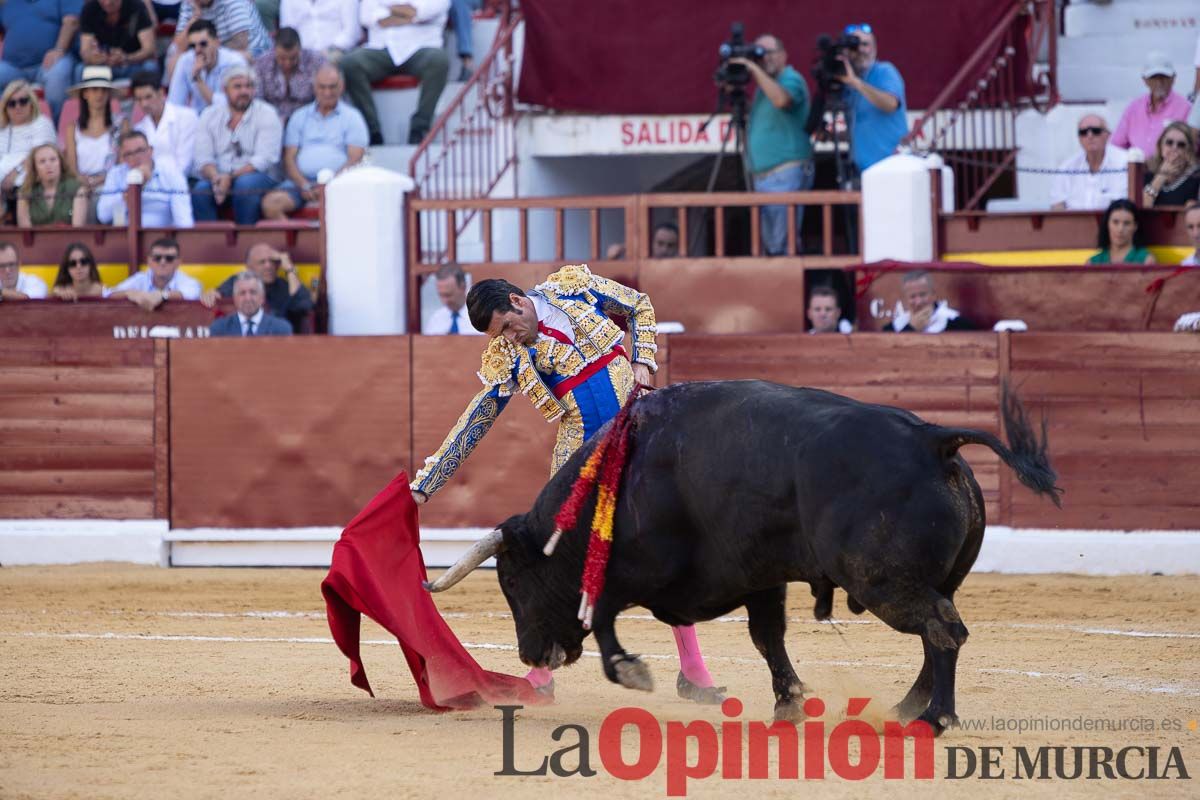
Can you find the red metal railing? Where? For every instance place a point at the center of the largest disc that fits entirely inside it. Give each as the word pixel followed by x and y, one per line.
pixel 473 144
pixel 972 123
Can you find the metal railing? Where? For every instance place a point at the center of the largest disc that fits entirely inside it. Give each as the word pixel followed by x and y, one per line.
pixel 972 123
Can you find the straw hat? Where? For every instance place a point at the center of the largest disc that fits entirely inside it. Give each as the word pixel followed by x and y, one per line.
pixel 94 77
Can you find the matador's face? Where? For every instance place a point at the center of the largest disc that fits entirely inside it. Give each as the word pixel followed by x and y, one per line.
pixel 519 326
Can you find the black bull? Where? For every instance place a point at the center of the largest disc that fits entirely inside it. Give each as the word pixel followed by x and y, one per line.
pixel 734 489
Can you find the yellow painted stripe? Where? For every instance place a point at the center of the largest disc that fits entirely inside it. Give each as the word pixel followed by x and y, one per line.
pixel 210 275
pixel 1054 258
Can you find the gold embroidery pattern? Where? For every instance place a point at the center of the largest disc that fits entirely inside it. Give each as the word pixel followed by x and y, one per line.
pixel 497 367
pixel 570 434
pixel 571 279
pixel 532 385
pixel 552 357
pixel 474 423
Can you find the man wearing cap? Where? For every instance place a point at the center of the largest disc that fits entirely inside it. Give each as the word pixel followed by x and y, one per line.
pixel 196 82
pixel 117 34
pixel 237 151
pixel 1144 118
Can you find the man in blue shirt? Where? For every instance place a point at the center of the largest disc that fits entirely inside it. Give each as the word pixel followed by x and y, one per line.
pixel 200 72
pixel 778 149
pixel 875 97
pixel 39 45
pixel 165 199
pixel 324 135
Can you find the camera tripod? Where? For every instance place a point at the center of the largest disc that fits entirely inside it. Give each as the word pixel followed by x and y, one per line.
pixel 736 100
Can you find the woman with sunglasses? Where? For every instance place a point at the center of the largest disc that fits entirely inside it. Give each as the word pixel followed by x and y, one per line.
pixel 78 276
pixel 22 127
pixel 1121 237
pixel 91 144
pixel 1172 173
pixel 52 194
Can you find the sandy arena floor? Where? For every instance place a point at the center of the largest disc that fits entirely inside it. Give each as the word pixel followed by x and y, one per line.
pixel 122 681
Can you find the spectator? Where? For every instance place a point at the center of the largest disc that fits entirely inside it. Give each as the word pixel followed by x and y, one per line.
pixel 405 39
pixel 166 202
pixel 877 113
pixel 200 72
pixel 325 135
pixel 330 27
pixel 1191 221
pixel 236 25
pixel 1121 237
pixel 91 142
pixel 251 318
pixel 1146 116
pixel 161 281
pixel 165 10
pixel 825 312
pixel 77 275
pixel 237 148
pixel 118 34
pixel 779 153
pixel 37 46
pixel 1106 179
pixel 921 312
pixel 461 12
pixel 285 75
pixel 287 299
pixel 14 284
pixel 451 316
pixel 170 129
pixel 52 194
pixel 22 128
pixel 268 12
pixel 1172 173
pixel 664 243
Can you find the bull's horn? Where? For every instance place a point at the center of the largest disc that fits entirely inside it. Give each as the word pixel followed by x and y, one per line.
pixel 480 552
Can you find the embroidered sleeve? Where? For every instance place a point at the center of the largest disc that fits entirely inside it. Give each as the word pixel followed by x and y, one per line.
pixel 616 298
pixel 471 427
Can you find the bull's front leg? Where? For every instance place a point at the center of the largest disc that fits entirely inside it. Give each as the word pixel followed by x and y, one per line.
pixel 619 666
pixel 768 622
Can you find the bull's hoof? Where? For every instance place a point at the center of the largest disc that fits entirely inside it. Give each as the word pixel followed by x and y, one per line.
pixel 547 690
pixel 704 695
pixel 632 673
pixel 907 712
pixel 940 722
pixel 789 710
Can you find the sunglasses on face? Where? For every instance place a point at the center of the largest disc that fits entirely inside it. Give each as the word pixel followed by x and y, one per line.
pixel 862 28
pixel 10 265
pixel 1093 131
pixel 1180 143
pixel 79 262
pixel 163 258
pixel 135 153
pixel 197 45
pixel 17 102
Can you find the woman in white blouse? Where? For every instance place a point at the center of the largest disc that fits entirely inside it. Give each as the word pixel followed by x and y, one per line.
pixel 22 128
pixel 91 144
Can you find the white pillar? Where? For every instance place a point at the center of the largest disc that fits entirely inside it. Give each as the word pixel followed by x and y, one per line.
pixel 897 216
pixel 365 252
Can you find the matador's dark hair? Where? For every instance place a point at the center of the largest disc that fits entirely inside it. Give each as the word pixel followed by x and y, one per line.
pixel 486 298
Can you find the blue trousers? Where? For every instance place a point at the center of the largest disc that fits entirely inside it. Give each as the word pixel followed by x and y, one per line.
pixel 774 218
pixel 246 196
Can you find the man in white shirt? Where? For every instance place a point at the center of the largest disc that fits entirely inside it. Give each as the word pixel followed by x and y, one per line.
pixel 166 202
pixel 451 316
pixel 327 26
pixel 1094 177
pixel 161 281
pixel 402 38
pixel 170 129
pixel 14 284
pixel 199 73
pixel 1191 221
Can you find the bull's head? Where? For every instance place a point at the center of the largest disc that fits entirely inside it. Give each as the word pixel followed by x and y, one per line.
pixel 542 591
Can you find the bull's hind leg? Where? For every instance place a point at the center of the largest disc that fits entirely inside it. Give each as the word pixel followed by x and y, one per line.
pixel 768 622
pixel 619 666
pixel 917 699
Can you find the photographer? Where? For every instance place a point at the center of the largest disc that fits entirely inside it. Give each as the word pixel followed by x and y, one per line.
pixel 875 98
pixel 777 147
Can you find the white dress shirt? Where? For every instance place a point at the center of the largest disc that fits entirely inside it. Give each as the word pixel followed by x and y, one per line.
pixel 165 199
pixel 143 281
pixel 402 41
pixel 322 24
pixel 1093 191
pixel 175 135
pixel 31 286
pixel 438 323
pixel 244 321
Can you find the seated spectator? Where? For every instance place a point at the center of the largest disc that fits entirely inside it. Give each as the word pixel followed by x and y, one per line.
pixel 1121 237
pixel 921 311
pixel 161 281
pixel 166 202
pixel 38 36
pixel 77 275
pixel 285 74
pixel 1191 221
pixel 1106 179
pixel 91 144
pixel 825 312
pixel 287 299
pixel 22 128
pixel 200 72
pixel 401 39
pixel 118 34
pixel 664 243
pixel 169 129
pixel 237 149
pixel 451 316
pixel 1173 173
pixel 251 318
pixel 330 27
pixel 236 26
pixel 52 194
pixel 1146 116
pixel 325 135
pixel 14 284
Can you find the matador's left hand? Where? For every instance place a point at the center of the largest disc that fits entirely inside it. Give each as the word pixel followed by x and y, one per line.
pixel 641 374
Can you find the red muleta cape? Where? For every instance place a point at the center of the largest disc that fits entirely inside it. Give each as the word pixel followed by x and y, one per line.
pixel 377 570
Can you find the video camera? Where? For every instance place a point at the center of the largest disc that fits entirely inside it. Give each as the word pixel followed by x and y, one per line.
pixel 736 75
pixel 828 69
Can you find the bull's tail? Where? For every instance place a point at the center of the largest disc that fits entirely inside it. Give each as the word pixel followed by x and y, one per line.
pixel 1027 456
